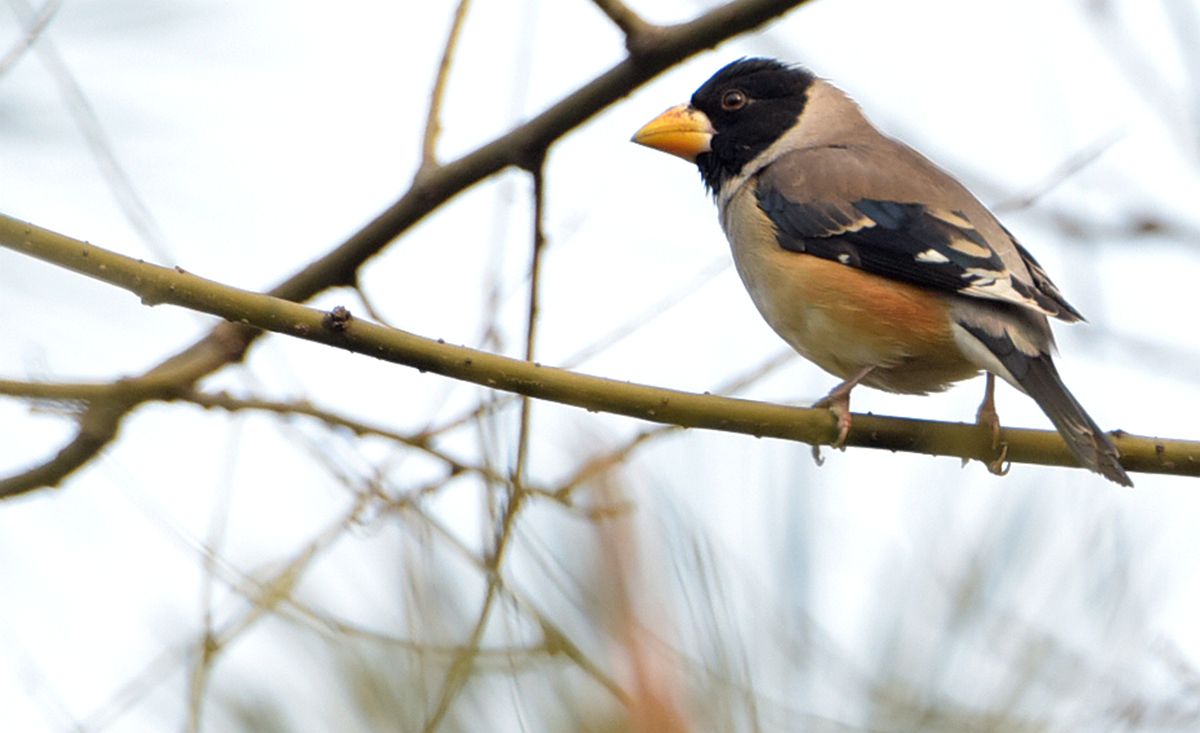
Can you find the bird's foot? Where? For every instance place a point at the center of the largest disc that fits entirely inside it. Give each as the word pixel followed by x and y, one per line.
pixel 987 418
pixel 839 405
pixel 838 402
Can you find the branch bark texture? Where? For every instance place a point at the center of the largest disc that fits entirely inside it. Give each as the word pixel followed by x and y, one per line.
pixel 157 285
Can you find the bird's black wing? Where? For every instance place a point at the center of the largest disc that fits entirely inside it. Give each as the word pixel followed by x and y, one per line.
pixel 906 241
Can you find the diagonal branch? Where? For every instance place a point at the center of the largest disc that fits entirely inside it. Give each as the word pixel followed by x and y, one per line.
pixel 228 343
pixel 156 285
pixel 35 26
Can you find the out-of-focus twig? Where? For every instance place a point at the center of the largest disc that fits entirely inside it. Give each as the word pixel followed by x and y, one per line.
pixel 35 25
pixel 601 464
pixel 101 146
pixel 228 343
pixel 506 524
pixel 596 347
pixel 556 639
pixel 1144 78
pixel 1184 21
pixel 655 682
pixel 265 597
pixel 1072 165
pixel 220 400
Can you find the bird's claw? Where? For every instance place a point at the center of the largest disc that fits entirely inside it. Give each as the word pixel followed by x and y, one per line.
pixel 998 466
pixel 839 405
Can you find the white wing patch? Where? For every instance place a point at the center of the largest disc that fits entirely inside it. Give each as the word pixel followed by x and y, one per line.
pixel 933 256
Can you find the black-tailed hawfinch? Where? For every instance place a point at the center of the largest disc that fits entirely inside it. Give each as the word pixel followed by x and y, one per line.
pixel 867 258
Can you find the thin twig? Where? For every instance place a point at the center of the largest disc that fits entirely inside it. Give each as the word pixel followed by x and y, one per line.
pixel 228 343
pixel 1076 162
pixel 600 465
pixel 35 25
pixel 433 123
pixel 201 672
pixel 136 212
pixel 630 23
pixel 265 596
pixel 460 670
pixel 649 313
pixel 531 319
pixel 556 639
pixel 593 349
pixel 229 403
pixel 1119 41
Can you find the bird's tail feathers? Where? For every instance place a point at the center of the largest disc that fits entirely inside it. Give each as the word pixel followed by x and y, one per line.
pixel 1039 378
pixel 1085 439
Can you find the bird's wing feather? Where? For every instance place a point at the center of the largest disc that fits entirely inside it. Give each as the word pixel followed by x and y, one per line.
pixel 838 204
pixel 1044 284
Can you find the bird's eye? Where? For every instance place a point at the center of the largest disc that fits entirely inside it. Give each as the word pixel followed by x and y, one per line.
pixel 734 99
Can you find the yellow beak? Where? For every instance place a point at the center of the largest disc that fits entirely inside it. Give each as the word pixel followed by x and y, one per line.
pixel 681 131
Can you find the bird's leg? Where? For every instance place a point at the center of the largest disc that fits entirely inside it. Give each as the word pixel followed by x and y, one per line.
pixel 838 402
pixel 987 417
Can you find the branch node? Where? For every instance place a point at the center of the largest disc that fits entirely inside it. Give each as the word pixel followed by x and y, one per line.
pixel 338 320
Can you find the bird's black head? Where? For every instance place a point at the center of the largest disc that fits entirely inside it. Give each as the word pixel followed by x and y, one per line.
pixel 750 103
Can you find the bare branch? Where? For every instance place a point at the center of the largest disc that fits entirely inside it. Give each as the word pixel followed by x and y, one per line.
pixel 338 328
pixel 433 123
pixel 228 343
pixel 222 401
pixel 531 319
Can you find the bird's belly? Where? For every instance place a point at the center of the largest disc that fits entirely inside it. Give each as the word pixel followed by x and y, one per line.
pixel 844 319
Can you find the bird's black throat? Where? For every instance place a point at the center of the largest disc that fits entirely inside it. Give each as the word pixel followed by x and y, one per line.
pixel 776 95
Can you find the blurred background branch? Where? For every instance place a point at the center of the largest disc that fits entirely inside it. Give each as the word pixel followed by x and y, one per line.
pixel 283 538
pixel 529 142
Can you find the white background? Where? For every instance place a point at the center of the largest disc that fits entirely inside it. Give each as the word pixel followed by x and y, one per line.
pixel 259 134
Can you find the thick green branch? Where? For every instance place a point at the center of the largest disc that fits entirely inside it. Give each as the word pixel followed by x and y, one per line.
pixel 154 285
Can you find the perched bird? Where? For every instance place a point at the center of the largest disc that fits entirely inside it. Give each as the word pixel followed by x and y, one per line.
pixel 867 258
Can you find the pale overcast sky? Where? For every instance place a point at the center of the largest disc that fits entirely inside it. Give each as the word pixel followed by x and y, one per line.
pixel 258 134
